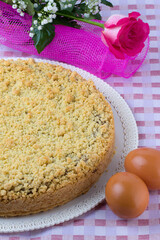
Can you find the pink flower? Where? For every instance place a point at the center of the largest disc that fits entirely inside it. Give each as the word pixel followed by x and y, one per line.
pixel 125 35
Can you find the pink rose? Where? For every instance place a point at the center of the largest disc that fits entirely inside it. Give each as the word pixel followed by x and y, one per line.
pixel 125 35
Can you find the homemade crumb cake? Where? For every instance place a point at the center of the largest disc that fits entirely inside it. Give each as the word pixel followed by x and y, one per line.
pixel 56 136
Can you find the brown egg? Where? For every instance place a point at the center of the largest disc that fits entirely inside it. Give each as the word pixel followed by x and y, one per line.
pixel 145 163
pixel 127 195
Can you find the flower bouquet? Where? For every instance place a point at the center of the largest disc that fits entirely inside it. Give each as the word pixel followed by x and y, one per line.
pixel 71 31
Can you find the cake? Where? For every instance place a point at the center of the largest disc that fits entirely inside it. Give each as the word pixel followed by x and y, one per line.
pixel 56 136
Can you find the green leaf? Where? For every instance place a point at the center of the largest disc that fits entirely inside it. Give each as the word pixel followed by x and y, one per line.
pixel 107 3
pixel 39 8
pixel 96 16
pixel 66 22
pixel 79 10
pixel 65 12
pixel 57 3
pixel 69 14
pixel 43 37
pixel 30 7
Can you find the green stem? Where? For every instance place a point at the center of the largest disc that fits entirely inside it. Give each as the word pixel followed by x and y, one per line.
pixel 81 19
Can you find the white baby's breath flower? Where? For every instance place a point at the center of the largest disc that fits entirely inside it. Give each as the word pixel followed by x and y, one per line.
pixel 14 6
pixel 35 22
pixel 50 8
pixel 54 9
pixel 31 34
pixel 49 20
pixel 35 5
pixel 86 15
pixel 19 10
pixel 66 4
pixel 92 6
pixel 52 16
pixel 45 9
pixel 22 14
pixel 40 27
pixel 44 21
pixel 20 5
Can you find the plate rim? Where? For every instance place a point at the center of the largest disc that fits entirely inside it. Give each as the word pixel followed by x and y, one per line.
pixel 16 228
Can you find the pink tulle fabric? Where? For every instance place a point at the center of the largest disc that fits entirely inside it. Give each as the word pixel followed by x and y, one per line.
pixel 82 48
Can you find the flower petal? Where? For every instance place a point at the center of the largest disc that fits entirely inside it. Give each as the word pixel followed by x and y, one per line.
pixel 104 39
pixel 134 15
pixel 132 36
pixel 114 49
pixel 125 35
pixel 112 20
pixel 111 33
pixel 123 21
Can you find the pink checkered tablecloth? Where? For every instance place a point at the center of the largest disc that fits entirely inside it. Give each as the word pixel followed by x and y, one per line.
pixel 142 93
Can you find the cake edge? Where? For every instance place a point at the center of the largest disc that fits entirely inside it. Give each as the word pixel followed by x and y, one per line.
pixel 50 199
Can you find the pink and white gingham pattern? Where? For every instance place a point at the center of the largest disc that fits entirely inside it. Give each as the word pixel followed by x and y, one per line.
pixel 142 93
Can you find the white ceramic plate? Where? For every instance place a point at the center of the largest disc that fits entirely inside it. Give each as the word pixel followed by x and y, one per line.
pixel 125 141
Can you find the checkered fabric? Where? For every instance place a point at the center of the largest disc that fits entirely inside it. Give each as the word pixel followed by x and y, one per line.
pixel 142 93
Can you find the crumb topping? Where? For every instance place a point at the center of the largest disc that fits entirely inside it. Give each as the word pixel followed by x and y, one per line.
pixel 54 127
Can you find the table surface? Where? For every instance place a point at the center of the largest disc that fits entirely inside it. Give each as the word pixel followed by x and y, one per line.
pixel 142 93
